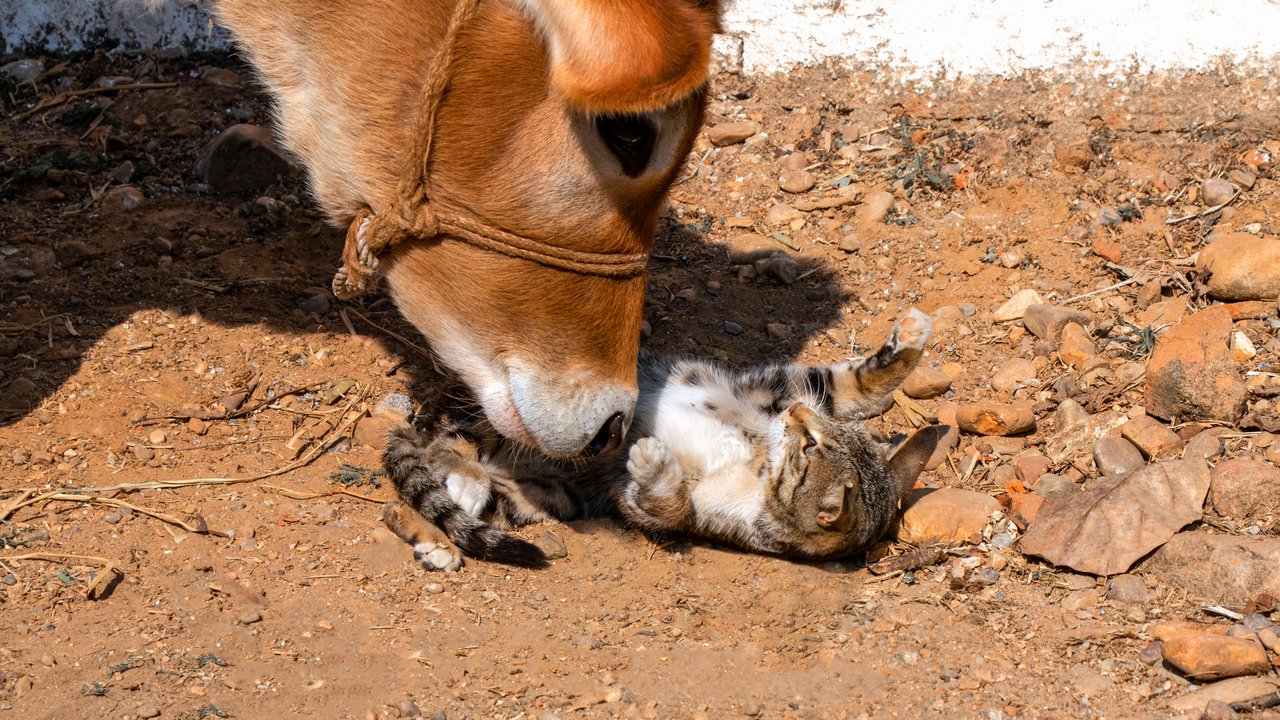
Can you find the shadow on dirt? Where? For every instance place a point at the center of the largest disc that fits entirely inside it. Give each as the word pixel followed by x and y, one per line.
pixel 76 262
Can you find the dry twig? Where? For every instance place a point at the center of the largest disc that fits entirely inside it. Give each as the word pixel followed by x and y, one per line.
pixel 95 588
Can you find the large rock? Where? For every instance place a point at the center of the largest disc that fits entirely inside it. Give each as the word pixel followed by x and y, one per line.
pixel 1227 569
pixel 988 418
pixel 1245 490
pixel 242 158
pixel 1191 375
pixel 1227 691
pixel 1242 266
pixel 1213 657
pixel 945 515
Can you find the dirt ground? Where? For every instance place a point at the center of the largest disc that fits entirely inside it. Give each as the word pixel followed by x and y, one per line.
pixel 285 597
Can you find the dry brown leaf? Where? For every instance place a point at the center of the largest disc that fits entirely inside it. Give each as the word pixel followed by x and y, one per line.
pixel 1107 528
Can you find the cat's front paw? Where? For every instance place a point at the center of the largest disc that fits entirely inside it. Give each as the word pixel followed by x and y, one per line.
pixel 649 459
pixel 470 495
pixel 912 331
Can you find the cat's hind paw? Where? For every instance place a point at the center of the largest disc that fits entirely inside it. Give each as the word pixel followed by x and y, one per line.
pixel 431 547
pixel 912 331
pixel 435 556
pixel 649 459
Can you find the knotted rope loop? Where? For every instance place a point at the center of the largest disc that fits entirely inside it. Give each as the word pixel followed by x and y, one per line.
pixel 411 215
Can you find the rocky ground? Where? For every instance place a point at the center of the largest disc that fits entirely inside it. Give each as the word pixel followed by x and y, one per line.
pixel 1099 538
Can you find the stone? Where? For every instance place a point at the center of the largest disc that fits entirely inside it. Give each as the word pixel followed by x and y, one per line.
pixel 1051 486
pixel 778 331
pixel 1242 178
pixel 551 545
pixel 782 214
pixel 1015 308
pixel 926 382
pixel 1013 374
pixel 1105 247
pixel 1151 436
pixel 1029 467
pixel 731 133
pixel 746 248
pixel 1214 657
pixel 19 393
pixel 409 709
pixel 22 71
pixel 875 208
pixel 242 158
pixel 1245 490
pixel 1206 444
pixel 1024 508
pixel 317 304
pixel 1233 690
pixel 1076 347
pixel 1116 456
pixel 1223 569
pixel 793 161
pixel 945 515
pixel 148 711
pixel 1241 266
pixel 1047 321
pixel 373 431
pixel 1216 191
pixel 1218 710
pixel 122 173
pixel 797 181
pixel 1130 589
pixel 988 418
pixel 850 244
pixel 249 617
pixel 123 198
pixel 1069 414
pixel 70 253
pixel 1169 629
pixel 732 328
pixel 1242 349
pixel 222 77
pixel 1191 375
pixel 1250 310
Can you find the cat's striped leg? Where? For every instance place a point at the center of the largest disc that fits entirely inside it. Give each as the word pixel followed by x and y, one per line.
pixel 858 388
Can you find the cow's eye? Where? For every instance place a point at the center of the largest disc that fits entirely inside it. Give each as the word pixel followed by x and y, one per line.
pixel 630 138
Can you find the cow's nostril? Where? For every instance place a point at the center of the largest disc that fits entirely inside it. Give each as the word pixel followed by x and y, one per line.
pixel 609 437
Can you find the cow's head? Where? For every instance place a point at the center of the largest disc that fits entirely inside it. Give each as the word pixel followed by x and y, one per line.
pixel 566 121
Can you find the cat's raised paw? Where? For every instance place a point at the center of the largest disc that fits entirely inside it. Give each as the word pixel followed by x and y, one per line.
pixel 912 331
pixel 649 458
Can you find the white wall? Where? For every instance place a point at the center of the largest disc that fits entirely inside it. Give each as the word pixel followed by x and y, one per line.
pixel 911 38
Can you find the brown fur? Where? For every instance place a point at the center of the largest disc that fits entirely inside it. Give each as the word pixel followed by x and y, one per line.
pixel 515 146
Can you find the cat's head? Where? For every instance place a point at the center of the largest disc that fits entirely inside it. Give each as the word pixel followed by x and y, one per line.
pixel 834 487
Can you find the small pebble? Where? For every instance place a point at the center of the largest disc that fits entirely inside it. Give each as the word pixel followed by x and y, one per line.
pixel 148 711
pixel 249 617
pixel 732 328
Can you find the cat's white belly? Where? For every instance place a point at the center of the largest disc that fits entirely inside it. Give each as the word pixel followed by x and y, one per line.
pixel 699 440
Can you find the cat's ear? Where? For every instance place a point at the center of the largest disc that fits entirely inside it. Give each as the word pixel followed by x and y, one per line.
pixel 908 459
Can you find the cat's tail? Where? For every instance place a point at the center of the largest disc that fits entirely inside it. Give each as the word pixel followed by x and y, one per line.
pixel 478 539
pixel 420 481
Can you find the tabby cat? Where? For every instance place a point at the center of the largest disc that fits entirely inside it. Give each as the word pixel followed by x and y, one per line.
pixel 771 459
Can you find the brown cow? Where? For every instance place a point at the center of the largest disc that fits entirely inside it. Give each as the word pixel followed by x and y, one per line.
pixel 563 120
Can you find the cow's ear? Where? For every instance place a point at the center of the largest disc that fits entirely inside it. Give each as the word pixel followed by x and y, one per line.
pixel 626 55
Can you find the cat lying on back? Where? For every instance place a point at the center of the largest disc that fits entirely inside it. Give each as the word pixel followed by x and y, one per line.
pixel 771 459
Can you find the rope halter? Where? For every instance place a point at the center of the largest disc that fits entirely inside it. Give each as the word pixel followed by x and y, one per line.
pixel 412 217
